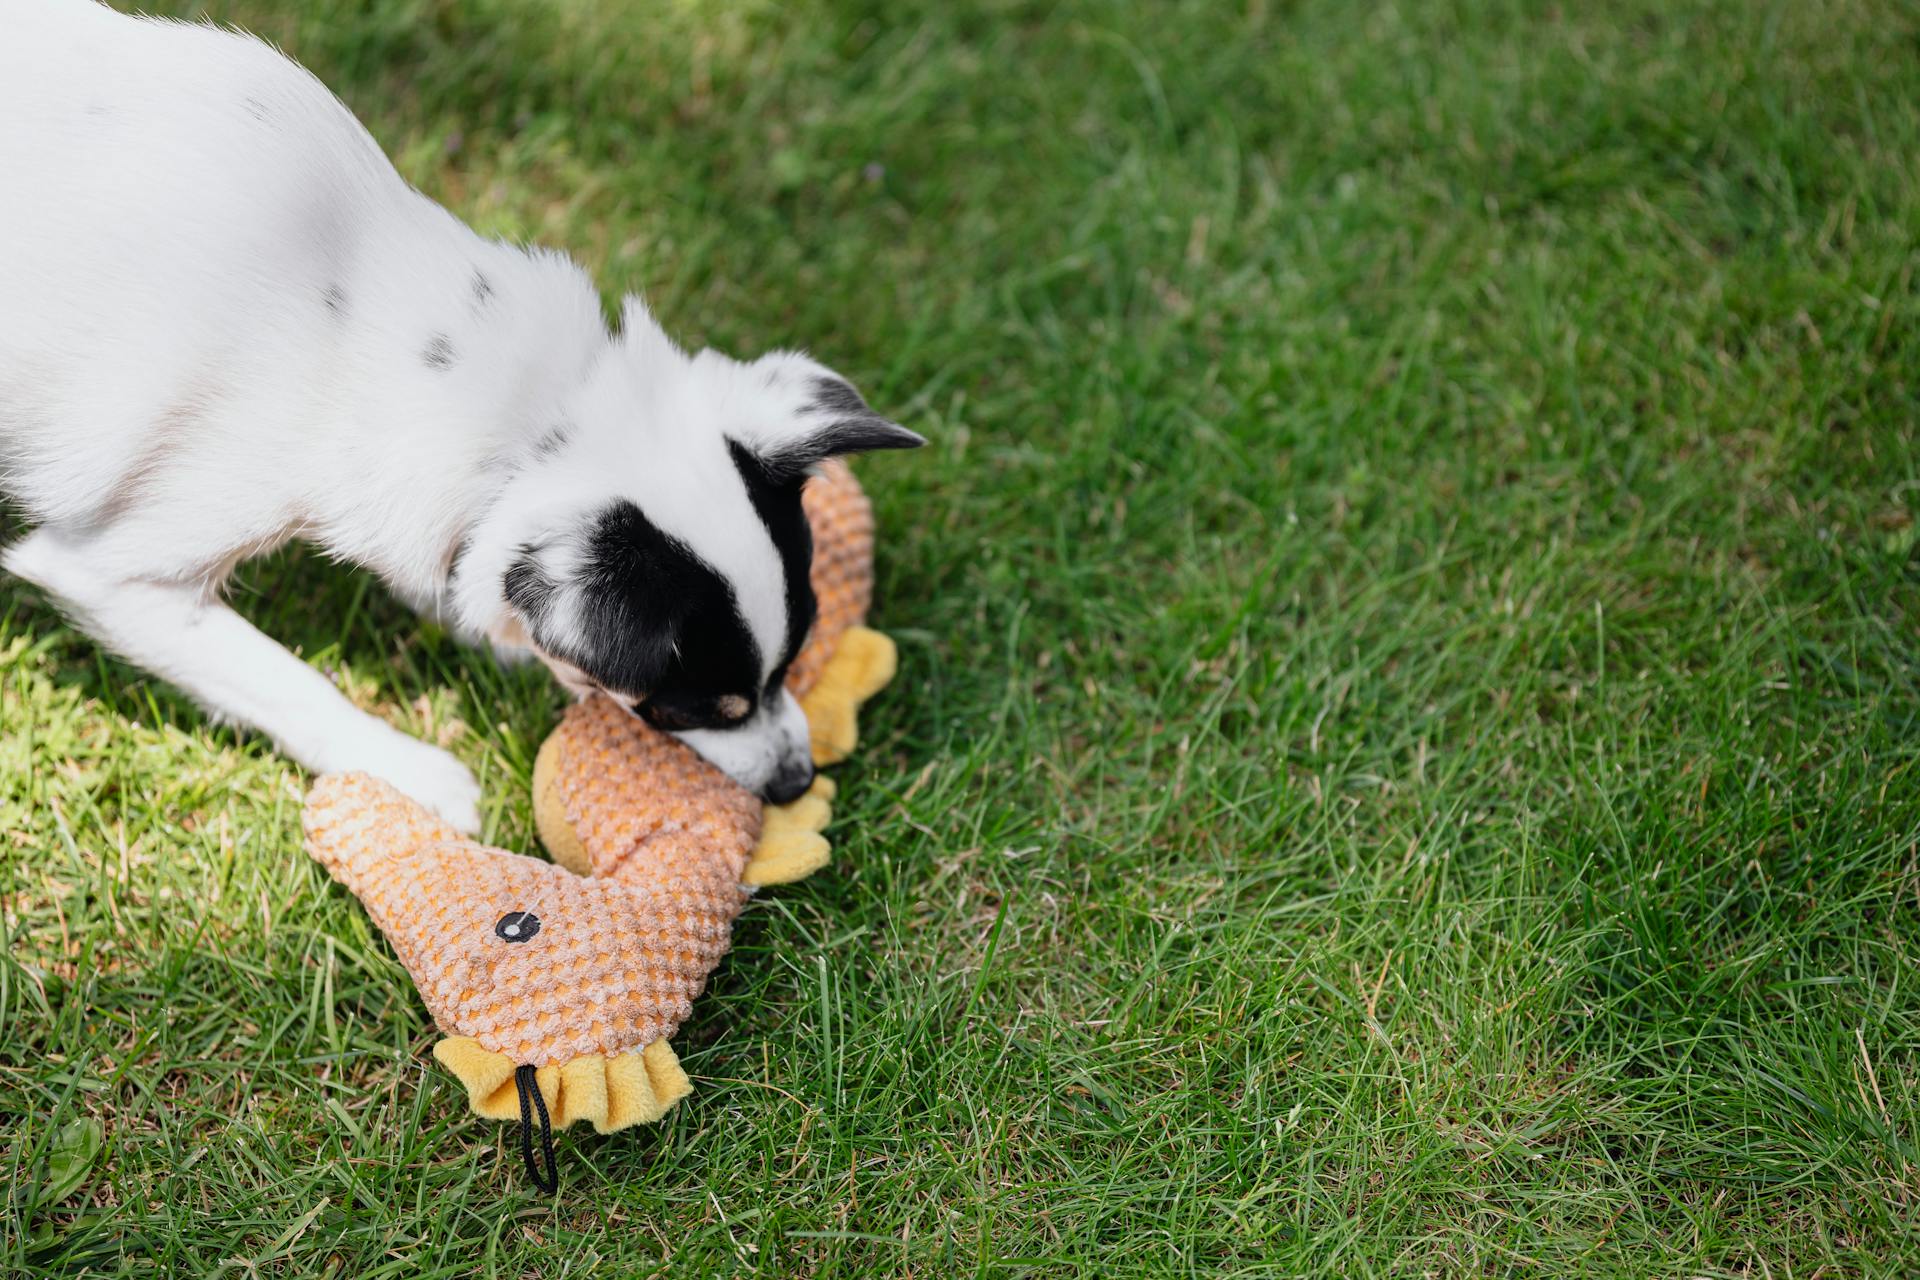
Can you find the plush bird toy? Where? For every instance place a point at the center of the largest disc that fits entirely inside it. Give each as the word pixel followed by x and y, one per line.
pixel 559 984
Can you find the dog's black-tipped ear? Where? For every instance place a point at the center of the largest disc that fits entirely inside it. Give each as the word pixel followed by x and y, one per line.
pixel 836 421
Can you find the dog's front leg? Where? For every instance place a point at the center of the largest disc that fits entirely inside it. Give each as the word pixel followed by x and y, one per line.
pixel 228 666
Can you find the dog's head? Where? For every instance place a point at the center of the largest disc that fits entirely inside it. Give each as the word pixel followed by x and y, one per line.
pixel 652 545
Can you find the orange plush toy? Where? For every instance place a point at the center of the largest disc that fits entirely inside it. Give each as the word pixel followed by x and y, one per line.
pixel 559 984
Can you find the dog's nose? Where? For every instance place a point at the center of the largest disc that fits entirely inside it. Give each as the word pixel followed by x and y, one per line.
pixel 788 784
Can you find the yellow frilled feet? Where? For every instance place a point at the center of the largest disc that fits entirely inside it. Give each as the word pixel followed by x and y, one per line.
pixel 636 1087
pixel 791 845
pixel 863 661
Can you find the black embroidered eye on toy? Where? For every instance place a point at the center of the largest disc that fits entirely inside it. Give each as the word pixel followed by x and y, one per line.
pixel 517 926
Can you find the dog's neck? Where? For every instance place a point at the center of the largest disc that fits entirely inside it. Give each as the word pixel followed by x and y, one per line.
pixel 440 427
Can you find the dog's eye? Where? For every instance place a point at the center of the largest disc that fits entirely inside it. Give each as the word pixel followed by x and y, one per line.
pixel 724 711
pixel 667 718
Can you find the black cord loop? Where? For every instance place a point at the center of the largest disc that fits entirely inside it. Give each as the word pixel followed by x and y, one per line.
pixel 530 1098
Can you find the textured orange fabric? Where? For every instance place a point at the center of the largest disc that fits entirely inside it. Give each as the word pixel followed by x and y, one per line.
pixel 842 576
pixel 614 964
pixel 631 794
pixel 662 841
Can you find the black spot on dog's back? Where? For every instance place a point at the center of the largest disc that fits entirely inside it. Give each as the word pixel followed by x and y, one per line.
pixel 553 440
pixel 334 299
pixel 510 459
pixel 482 288
pixel 439 352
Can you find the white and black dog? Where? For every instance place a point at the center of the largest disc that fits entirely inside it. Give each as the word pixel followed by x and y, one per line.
pixel 226 322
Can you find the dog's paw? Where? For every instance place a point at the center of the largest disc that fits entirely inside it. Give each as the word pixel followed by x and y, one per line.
pixel 423 772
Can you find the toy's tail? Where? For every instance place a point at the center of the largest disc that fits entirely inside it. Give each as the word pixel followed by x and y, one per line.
pixel 636 1087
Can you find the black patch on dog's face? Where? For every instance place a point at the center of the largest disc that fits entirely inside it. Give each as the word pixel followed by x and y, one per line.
pixel 439 352
pixel 653 624
pixel 777 500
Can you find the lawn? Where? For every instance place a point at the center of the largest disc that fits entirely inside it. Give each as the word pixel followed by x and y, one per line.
pixel 1407 756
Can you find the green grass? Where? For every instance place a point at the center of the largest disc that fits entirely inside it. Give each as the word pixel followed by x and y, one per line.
pixel 1406 755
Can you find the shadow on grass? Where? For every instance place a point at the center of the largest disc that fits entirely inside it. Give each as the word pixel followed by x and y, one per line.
pixel 334 616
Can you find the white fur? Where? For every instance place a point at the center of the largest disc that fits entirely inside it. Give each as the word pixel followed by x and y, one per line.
pixel 775 738
pixel 216 303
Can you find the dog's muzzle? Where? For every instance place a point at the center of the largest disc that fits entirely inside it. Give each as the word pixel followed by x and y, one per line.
pixel 789 784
